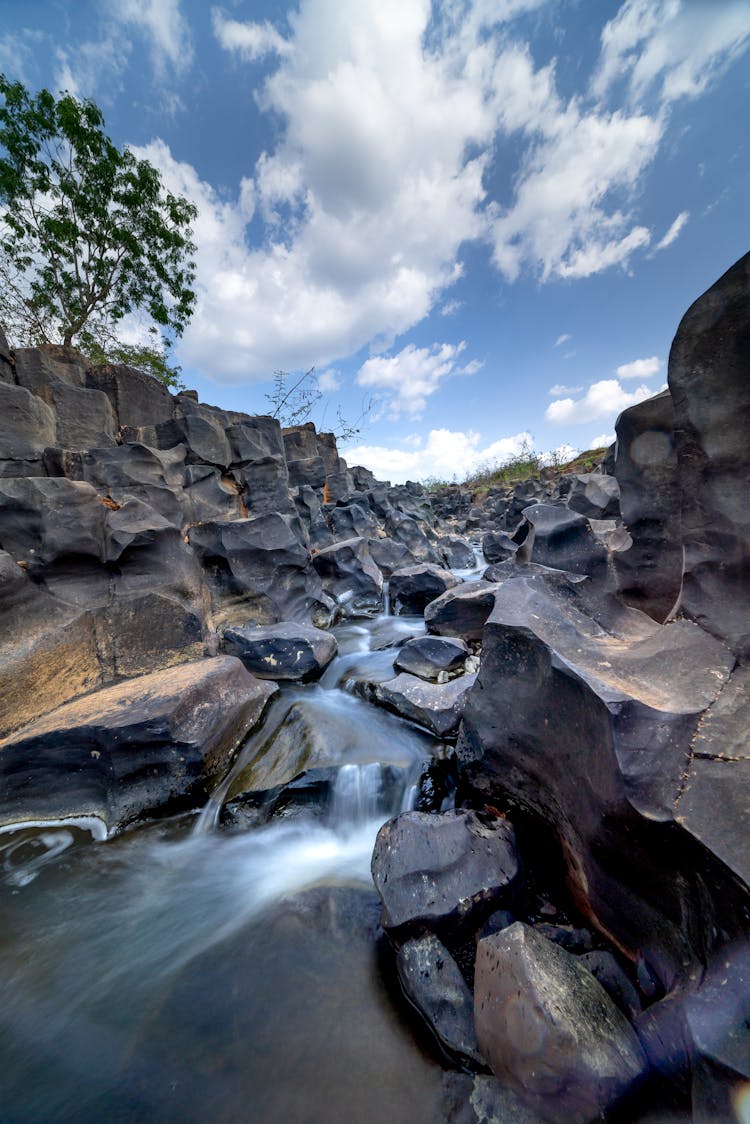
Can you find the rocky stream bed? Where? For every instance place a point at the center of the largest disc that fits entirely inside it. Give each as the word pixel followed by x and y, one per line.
pixel 323 800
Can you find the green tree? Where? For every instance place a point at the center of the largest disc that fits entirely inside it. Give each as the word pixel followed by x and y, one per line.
pixel 88 233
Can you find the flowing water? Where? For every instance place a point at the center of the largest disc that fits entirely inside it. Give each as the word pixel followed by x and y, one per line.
pixel 183 972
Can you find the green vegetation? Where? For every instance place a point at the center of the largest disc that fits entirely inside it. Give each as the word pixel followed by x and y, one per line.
pixel 88 234
pixel 525 465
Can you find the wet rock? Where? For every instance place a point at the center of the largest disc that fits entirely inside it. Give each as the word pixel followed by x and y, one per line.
pixel 461 612
pixel 649 574
pixel 457 553
pixel 428 656
pixel 350 576
pixel 132 748
pixel 257 568
pixel 594 495
pixel 482 1100
pixel 497 546
pixel 281 651
pixel 436 706
pixel 432 981
pixel 571 716
pixel 550 1030
pixel 710 390
pixel 414 587
pixel 441 871
pixel 613 979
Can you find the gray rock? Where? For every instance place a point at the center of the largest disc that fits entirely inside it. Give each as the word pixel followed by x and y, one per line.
pixel 132 748
pixel 137 399
pixel 281 651
pixel 556 537
pixel 442 871
pixel 461 611
pixel 594 495
pixel 550 1030
pixel 433 983
pixel 649 574
pixel 389 555
pixel 457 553
pixel 428 656
pixel 413 587
pixel 83 417
pixel 350 576
pixel 482 1100
pixel 614 980
pixel 27 424
pixel 436 706
pixel 708 366
pixel 497 546
pixel 351 521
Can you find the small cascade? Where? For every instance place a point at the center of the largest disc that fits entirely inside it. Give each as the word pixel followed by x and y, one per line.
pixel 387 599
pixel 357 794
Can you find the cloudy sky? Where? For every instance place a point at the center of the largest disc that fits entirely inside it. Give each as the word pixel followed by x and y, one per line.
pixel 478 220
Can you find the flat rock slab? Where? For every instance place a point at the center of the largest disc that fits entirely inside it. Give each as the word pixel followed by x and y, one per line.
pixel 549 1029
pixel 432 981
pixel 437 706
pixel 428 656
pixel 132 748
pixel 281 651
pixel 435 871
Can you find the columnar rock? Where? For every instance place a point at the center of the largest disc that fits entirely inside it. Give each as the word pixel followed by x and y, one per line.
pixel 350 576
pixel 649 574
pixel 708 366
pixel 554 536
pixel 595 726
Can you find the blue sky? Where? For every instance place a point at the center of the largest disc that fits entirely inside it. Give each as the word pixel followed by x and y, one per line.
pixel 484 218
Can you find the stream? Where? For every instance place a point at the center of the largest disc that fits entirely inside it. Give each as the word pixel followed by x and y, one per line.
pixel 180 971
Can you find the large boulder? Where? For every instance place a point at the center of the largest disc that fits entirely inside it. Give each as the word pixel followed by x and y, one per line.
pixel 594 495
pixel 289 651
pixel 462 611
pixel 596 729
pixel 350 576
pixel 258 569
pixel 549 1029
pixel 83 417
pixel 649 574
pixel 137 399
pixel 441 872
pixel 133 748
pixel 436 706
pixel 457 553
pixel 554 536
pixel 498 546
pixel 27 424
pixel 432 657
pixel 414 587
pixel 708 366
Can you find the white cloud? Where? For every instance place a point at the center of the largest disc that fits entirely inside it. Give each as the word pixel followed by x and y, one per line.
pixel 558 390
pixel 407 380
pixel 604 399
pixel 250 40
pixel 451 307
pixel 674 231
pixel 17 51
pixel 165 28
pixel 562 339
pixel 640 368
pixel 445 453
pixel 328 381
pixel 674 48
pixel 602 440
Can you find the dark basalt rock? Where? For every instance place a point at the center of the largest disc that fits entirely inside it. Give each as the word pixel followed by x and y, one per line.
pixel 413 587
pixel 550 1030
pixel 281 651
pixel 436 706
pixel 258 568
pixel 559 538
pixel 594 495
pixel 405 529
pixel 389 555
pixel 83 417
pixel 708 366
pixel 462 611
pixel 132 748
pixel 594 729
pixel 497 546
pixel 352 521
pixel 482 1100
pixel 27 424
pixel 433 983
pixel 614 980
pixel 137 399
pixel 457 553
pixel 428 656
pixel 649 574
pixel 440 872
pixel 350 576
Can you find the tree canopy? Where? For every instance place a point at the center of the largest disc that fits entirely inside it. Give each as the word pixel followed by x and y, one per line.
pixel 88 232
